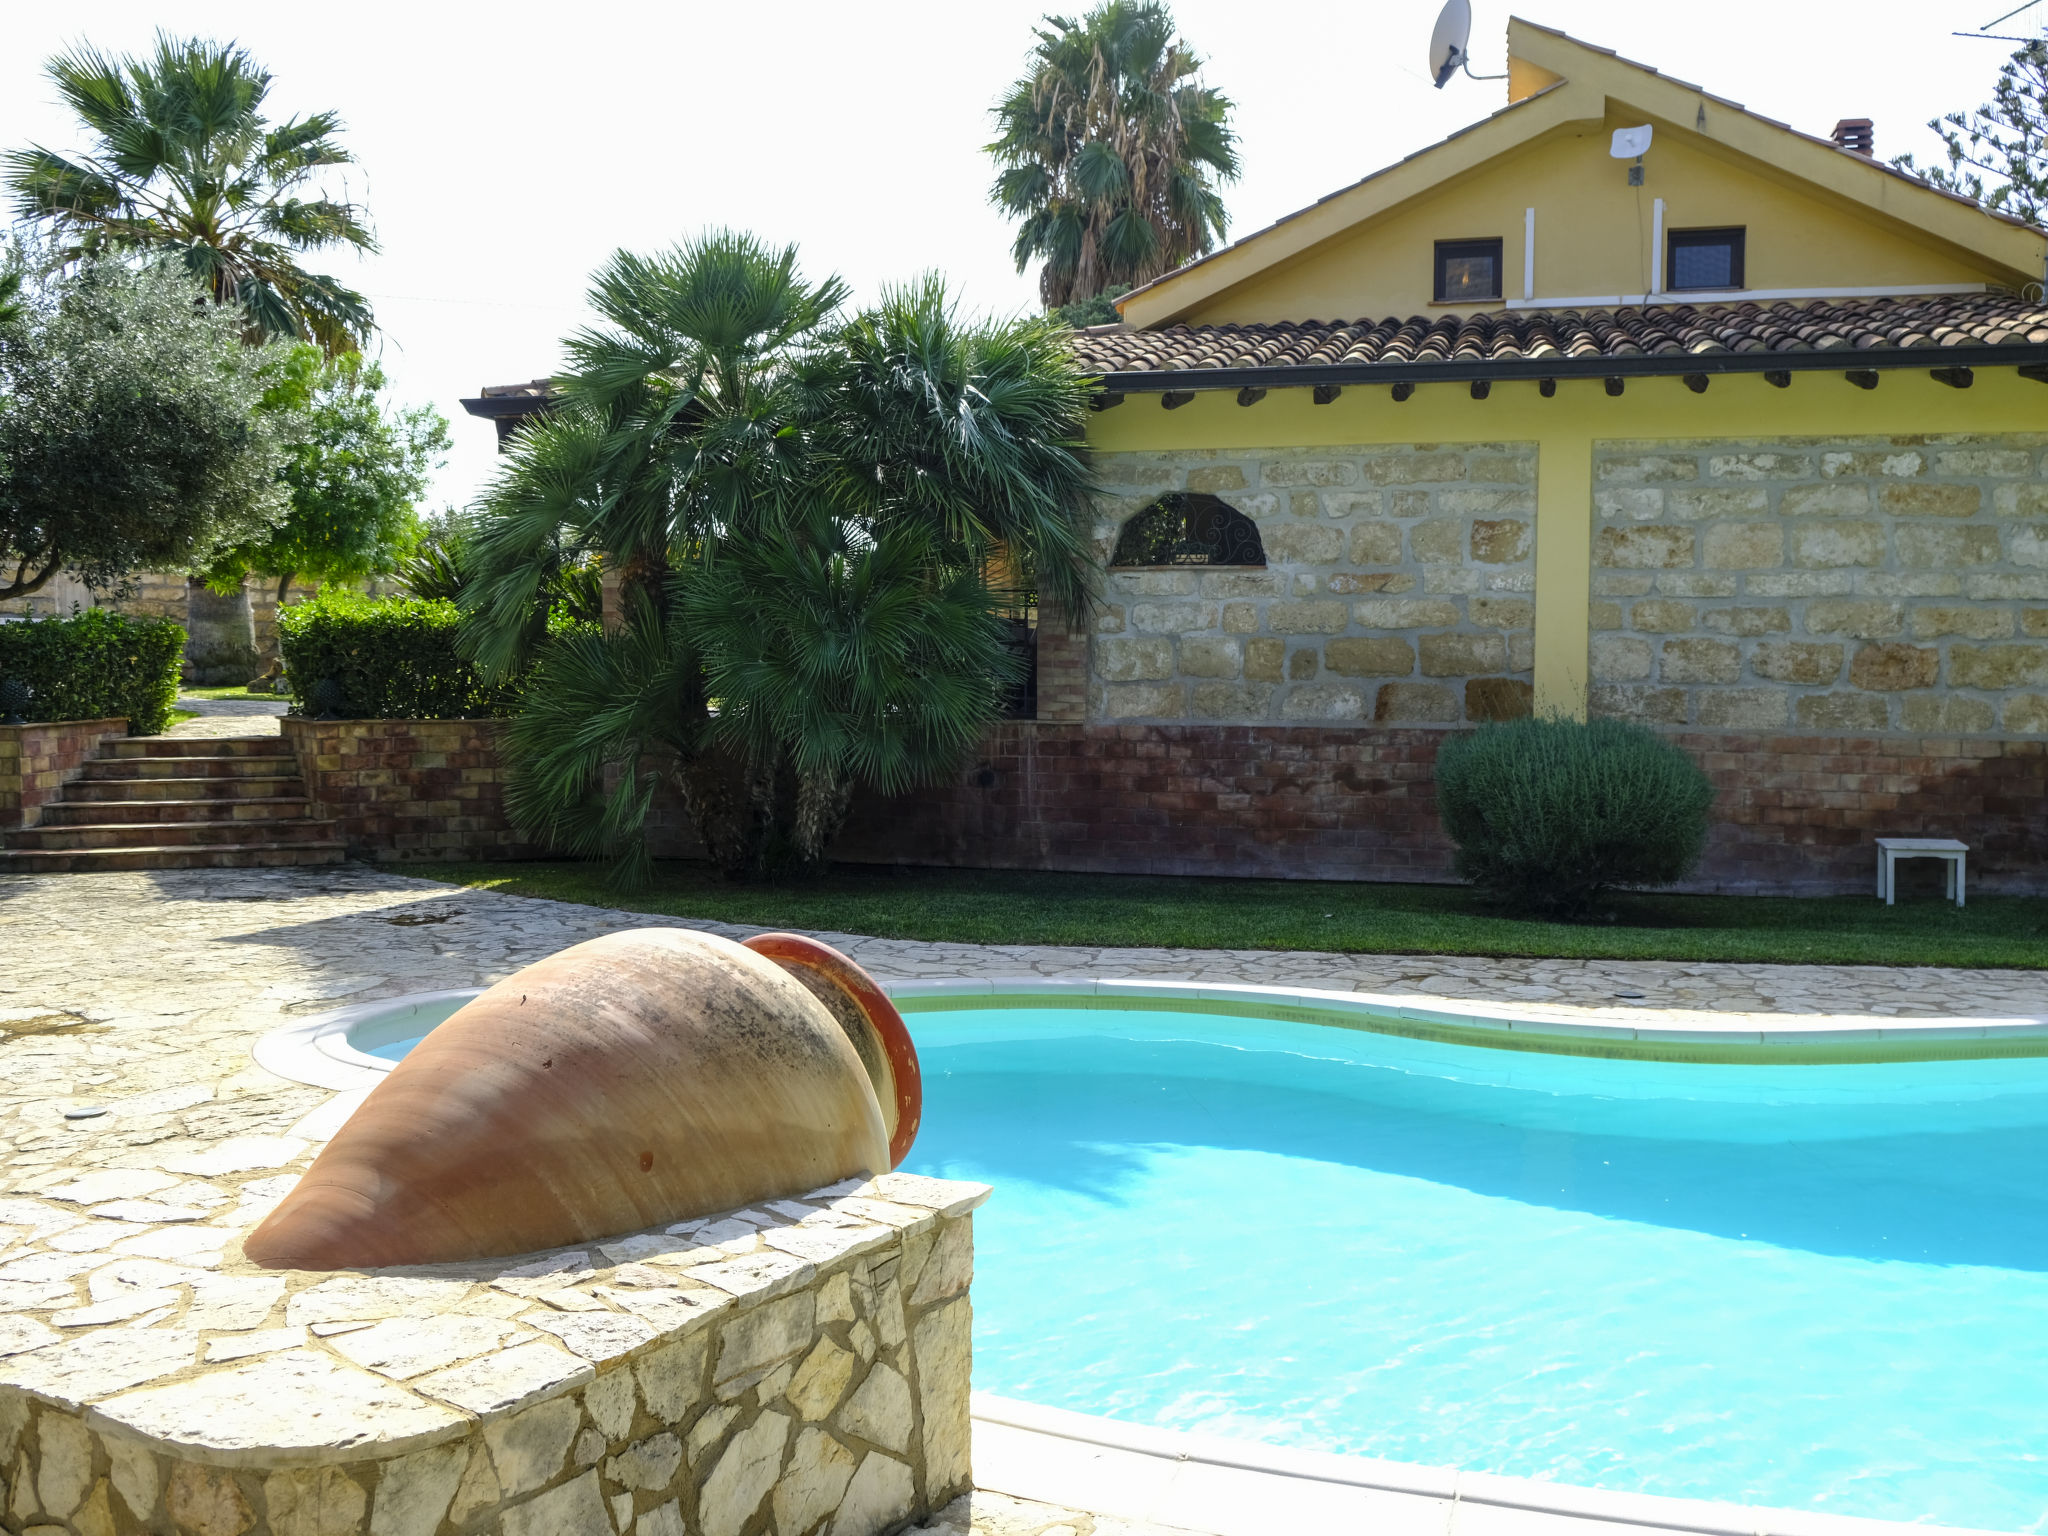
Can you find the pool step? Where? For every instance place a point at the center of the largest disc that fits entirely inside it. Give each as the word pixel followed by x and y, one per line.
pixel 222 802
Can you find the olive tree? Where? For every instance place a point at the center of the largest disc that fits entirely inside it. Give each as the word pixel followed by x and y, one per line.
pixel 130 431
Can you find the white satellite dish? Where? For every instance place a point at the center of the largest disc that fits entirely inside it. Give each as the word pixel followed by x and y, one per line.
pixel 1447 44
pixel 1630 143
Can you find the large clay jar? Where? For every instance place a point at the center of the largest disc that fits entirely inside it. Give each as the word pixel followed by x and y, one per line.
pixel 641 1078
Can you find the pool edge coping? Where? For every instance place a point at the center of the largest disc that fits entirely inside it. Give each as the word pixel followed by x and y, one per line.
pixel 1287 1465
pixel 316 1050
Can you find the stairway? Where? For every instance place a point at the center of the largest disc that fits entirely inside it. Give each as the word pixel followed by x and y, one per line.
pixel 161 802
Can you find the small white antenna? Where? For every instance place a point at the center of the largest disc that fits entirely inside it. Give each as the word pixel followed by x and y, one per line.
pixel 1630 143
pixel 1447 44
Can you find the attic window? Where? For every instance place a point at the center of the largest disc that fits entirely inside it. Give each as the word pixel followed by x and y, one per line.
pixel 1705 258
pixel 1467 270
pixel 1189 528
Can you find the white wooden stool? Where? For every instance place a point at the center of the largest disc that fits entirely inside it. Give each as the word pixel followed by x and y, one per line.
pixel 1891 849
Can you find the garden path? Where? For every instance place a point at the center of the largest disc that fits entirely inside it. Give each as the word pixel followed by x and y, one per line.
pixel 230 717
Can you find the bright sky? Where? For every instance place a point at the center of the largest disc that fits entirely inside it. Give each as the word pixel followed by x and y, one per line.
pixel 505 149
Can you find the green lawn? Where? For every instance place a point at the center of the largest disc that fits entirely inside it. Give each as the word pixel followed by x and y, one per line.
pixel 1015 907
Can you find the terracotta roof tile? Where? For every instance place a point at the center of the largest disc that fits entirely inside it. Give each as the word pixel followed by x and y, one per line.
pixel 1677 333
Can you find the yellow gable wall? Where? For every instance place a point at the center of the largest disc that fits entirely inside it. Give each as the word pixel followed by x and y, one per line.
pixel 1593 232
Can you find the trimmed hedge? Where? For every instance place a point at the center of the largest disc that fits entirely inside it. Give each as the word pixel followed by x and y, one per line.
pixel 391 658
pixel 96 665
pixel 1548 814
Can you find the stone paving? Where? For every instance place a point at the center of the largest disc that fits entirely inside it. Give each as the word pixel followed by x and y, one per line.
pixel 982 1513
pixel 139 995
pixel 230 717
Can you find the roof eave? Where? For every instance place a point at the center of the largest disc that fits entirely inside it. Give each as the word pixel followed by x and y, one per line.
pixel 1468 370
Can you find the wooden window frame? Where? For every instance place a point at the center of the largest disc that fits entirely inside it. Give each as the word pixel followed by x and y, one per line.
pixel 1493 246
pixel 1734 236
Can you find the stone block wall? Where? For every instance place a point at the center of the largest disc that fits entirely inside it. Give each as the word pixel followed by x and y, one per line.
pixel 1398 589
pixel 38 760
pixel 408 789
pixel 1815 586
pixel 796 1372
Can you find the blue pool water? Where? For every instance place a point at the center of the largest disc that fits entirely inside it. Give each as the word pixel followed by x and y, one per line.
pixel 1812 1286
pixel 1820 1287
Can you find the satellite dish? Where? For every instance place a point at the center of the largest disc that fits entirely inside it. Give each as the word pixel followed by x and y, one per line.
pixel 1447 42
pixel 1630 143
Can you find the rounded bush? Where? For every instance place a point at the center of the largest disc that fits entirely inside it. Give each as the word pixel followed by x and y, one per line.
pixel 95 665
pixel 1547 814
pixel 391 658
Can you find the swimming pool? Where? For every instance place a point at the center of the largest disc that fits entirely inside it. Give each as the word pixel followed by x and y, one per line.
pixel 1819 1286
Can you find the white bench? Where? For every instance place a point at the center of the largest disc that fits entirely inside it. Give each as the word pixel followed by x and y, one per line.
pixel 1891 849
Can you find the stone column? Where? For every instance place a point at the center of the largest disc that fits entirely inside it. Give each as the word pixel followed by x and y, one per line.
pixel 1564 568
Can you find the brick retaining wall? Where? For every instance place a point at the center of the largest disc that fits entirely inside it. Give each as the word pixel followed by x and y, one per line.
pixel 39 759
pixel 408 789
pixel 1795 815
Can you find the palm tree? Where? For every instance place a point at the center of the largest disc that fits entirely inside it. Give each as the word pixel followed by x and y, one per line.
pixel 818 523
pixel 184 164
pixel 1110 153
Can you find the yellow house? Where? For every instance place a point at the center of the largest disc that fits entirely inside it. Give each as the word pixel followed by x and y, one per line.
pixel 1625 400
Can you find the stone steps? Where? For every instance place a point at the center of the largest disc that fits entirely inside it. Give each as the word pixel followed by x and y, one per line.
pixel 169 834
pixel 270 787
pixel 76 861
pixel 177 803
pixel 263 810
pixel 213 766
pixel 198 746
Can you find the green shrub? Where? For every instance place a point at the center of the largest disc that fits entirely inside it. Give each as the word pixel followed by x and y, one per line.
pixel 391 658
pixel 96 665
pixel 1548 814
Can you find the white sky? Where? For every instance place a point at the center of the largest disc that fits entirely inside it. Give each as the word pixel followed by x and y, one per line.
pixel 506 148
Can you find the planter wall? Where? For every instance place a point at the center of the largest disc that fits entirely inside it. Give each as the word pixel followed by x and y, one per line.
pixel 38 760
pixel 408 789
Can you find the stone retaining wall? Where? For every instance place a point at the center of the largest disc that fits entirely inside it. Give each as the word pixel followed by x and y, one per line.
pixel 1890 585
pixel 38 760
pixel 408 789
pixel 800 1370
pixel 1397 589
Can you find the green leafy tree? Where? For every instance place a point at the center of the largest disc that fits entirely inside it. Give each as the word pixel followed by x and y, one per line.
pixel 817 522
pixel 355 473
pixel 1110 152
pixel 130 434
pixel 2006 140
pixel 184 162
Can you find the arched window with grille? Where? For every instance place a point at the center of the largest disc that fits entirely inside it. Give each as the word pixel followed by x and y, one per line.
pixel 1189 528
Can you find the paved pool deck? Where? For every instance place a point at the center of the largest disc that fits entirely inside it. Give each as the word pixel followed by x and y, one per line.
pixel 142 994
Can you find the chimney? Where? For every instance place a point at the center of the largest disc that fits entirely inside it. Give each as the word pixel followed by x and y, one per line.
pixel 1856 135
